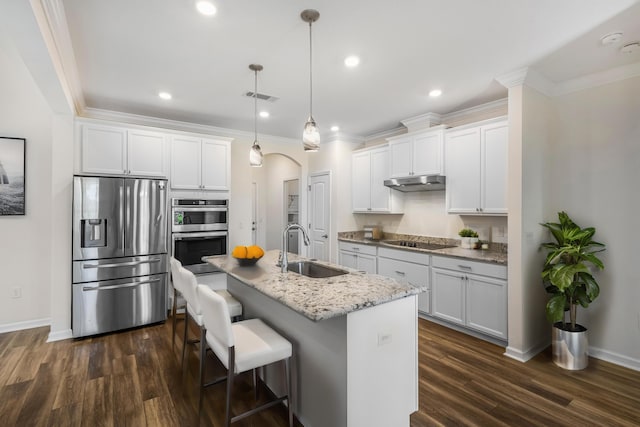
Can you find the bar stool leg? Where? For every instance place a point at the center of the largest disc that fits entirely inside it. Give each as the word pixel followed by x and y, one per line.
pixel 230 374
pixel 255 383
pixel 174 309
pixel 287 370
pixel 184 337
pixel 203 352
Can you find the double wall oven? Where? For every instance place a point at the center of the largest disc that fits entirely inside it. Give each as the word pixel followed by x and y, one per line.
pixel 199 228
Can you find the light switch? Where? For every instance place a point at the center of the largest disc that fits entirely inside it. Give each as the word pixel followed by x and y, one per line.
pixel 384 338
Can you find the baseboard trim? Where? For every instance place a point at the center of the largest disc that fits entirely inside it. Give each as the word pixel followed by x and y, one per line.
pixel 524 356
pixel 615 358
pixel 65 334
pixel 27 324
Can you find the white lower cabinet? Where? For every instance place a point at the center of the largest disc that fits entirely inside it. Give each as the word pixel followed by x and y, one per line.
pixel 408 267
pixel 471 294
pixel 357 256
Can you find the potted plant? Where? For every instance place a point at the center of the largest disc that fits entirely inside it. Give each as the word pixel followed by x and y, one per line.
pixel 566 276
pixel 469 238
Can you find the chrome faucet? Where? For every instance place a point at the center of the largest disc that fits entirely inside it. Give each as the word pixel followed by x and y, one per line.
pixel 283 261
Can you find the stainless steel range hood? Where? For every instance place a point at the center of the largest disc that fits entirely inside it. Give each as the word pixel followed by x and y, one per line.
pixel 417 183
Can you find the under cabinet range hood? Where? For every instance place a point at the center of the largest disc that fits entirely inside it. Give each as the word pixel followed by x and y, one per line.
pixel 416 183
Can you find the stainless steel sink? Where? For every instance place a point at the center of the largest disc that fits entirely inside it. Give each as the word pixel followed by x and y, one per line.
pixel 316 271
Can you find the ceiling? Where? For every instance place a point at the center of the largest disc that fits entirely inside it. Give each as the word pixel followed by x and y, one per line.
pixel 127 51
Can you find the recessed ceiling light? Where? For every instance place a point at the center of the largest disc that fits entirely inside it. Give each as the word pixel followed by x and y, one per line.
pixel 165 95
pixel 351 61
pixel 206 8
pixel 264 114
pixel 435 93
pixel 335 128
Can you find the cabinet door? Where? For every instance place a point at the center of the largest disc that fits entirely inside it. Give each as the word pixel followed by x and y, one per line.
pixel 215 165
pixel 185 163
pixel 104 150
pixel 380 195
pixel 367 263
pixel 486 307
pixel 494 145
pixel 348 259
pixel 447 292
pixel 361 182
pixel 427 154
pixel 463 171
pixel 400 155
pixel 146 153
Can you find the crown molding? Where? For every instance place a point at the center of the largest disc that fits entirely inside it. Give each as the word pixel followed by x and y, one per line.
pixel 176 125
pixel 498 105
pixel 59 30
pixel 424 120
pixel 597 79
pixel 529 77
pixel 343 137
pixel 385 134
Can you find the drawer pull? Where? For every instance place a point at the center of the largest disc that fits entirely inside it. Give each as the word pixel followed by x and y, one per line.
pixel 464 267
pixel 356 249
pixel 400 273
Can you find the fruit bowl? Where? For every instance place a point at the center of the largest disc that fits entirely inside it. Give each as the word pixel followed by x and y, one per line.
pixel 247 255
pixel 246 262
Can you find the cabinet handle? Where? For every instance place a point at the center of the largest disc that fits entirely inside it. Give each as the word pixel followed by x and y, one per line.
pixel 400 273
pixel 464 267
pixel 325 236
pixel 355 249
pixel 368 209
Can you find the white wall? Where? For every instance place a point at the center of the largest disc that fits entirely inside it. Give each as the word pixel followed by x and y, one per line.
pixel 278 168
pixel 594 174
pixel 25 248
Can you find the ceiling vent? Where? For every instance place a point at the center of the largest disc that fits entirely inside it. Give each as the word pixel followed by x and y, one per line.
pixel 261 96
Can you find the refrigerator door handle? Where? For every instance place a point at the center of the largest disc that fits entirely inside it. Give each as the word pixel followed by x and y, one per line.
pixel 121 264
pixel 129 285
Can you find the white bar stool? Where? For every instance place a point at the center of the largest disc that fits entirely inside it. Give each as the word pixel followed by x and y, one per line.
pixel 240 347
pixel 194 311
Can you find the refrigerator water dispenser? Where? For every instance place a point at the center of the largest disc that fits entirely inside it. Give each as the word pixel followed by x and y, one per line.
pixel 94 233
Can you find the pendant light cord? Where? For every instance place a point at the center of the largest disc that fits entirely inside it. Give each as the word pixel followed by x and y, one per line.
pixel 310 73
pixel 255 109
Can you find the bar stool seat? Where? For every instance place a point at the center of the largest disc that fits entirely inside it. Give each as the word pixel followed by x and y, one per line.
pixel 235 308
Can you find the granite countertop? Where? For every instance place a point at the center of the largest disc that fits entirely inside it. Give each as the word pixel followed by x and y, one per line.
pixel 317 299
pixel 490 256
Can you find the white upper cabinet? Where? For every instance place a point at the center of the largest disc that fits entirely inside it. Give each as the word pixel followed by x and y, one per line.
pixel 369 195
pixel 476 169
pixel 200 164
pixel 114 150
pixel 419 153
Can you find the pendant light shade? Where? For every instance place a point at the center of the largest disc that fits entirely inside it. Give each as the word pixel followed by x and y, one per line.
pixel 310 134
pixel 255 154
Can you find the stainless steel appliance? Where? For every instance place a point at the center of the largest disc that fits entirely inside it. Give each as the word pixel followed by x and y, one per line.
pixel 199 228
pixel 417 183
pixel 119 253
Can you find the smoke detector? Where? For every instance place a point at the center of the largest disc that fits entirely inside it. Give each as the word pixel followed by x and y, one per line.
pixel 611 38
pixel 630 47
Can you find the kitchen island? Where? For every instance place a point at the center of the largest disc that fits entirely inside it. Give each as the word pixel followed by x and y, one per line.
pixel 354 336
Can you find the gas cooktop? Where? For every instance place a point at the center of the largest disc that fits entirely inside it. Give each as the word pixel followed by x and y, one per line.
pixel 417 245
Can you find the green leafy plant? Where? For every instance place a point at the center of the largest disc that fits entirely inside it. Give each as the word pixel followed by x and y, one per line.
pixel 467 232
pixel 566 275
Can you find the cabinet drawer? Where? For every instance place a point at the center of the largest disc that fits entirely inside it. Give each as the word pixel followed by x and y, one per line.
pixel 466 266
pixel 358 248
pixel 404 255
pixel 403 271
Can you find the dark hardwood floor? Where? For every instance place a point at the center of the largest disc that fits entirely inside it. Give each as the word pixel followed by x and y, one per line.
pixel 133 378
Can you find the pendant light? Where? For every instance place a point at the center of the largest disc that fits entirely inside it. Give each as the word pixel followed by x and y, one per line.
pixel 255 154
pixel 311 134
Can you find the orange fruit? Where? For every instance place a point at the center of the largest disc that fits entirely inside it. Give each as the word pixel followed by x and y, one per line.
pixel 239 252
pixel 254 251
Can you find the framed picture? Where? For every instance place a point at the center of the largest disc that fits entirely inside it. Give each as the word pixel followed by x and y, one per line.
pixel 12 174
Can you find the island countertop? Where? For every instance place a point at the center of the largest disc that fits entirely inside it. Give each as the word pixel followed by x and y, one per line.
pixel 316 299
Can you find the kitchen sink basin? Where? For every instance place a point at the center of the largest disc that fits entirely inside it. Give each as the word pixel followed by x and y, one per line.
pixel 316 271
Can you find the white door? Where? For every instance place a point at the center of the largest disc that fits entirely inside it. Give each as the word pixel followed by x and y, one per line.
pixel 380 195
pixel 185 163
pixel 494 152
pixel 215 165
pixel 146 153
pixel 320 216
pixel 104 150
pixel 463 171
pixel 361 181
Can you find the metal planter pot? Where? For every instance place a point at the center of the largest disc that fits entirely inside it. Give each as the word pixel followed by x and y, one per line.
pixel 570 348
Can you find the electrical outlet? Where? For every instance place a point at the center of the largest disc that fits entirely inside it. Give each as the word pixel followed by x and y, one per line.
pixel 16 292
pixel 384 338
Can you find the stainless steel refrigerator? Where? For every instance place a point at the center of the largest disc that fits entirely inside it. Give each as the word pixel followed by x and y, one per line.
pixel 119 253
